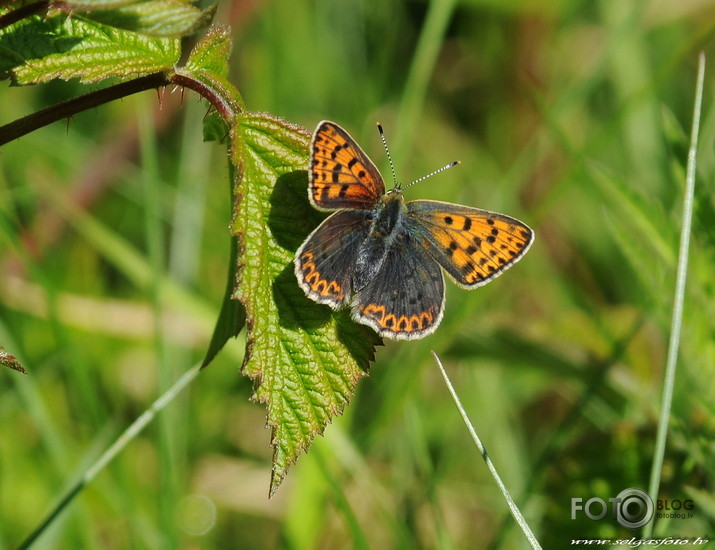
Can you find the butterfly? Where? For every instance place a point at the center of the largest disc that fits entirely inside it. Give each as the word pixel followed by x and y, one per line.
pixel 384 257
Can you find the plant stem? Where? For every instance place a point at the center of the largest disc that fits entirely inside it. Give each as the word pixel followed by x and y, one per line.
pixel 22 12
pixel 71 107
pixel 67 109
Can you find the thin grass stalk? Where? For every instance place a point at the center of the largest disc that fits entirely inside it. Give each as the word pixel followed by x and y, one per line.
pixel 681 276
pixel 430 42
pixel 128 435
pixel 155 241
pixel 513 508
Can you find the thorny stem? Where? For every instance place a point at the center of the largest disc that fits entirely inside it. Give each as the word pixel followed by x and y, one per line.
pixel 22 12
pixel 67 109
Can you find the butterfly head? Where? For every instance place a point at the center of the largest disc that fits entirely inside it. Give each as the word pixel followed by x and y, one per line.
pixel 393 196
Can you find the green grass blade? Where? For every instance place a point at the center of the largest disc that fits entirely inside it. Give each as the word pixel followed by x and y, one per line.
pixel 418 81
pixel 128 435
pixel 681 277
pixel 155 242
pixel 513 508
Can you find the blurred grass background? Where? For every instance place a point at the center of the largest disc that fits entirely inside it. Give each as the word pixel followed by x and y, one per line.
pixel 571 116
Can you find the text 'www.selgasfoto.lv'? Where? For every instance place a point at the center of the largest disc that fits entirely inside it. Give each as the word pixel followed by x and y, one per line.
pixel 634 542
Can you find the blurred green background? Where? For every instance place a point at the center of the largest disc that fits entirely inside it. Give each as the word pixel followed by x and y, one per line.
pixel 570 115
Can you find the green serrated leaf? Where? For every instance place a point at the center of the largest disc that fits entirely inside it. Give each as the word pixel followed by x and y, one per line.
pixel 211 53
pixel 10 361
pixel 37 50
pixel 208 64
pixel 166 18
pixel 304 360
pixel 232 317
pixel 215 127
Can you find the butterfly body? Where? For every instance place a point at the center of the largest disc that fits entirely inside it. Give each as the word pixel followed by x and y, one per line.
pixel 387 230
pixel 382 256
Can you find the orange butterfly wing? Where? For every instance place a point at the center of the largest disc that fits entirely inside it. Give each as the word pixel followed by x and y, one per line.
pixel 472 245
pixel 341 175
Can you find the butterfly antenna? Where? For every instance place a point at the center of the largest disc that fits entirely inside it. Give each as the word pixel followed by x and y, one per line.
pixel 389 158
pixel 450 165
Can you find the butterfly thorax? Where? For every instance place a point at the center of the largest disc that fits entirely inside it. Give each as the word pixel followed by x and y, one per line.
pixel 386 231
pixel 389 214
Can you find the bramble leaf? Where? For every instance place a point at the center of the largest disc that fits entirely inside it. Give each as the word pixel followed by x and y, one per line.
pixel 305 361
pixel 165 18
pixel 37 49
pixel 232 317
pixel 208 64
pixel 211 53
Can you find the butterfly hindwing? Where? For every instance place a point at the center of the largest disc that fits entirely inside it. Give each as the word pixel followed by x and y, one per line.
pixel 405 301
pixel 341 175
pixel 325 262
pixel 474 246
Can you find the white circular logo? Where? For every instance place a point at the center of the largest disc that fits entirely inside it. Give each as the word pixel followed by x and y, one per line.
pixel 634 508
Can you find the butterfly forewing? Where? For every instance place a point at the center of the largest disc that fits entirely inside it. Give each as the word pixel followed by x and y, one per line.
pixel 341 174
pixel 472 245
